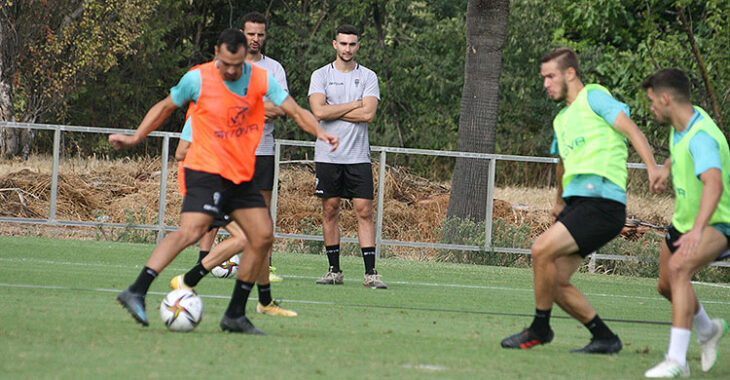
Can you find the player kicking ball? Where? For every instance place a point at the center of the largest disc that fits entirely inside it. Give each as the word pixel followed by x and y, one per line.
pixel 208 259
pixel 227 120
pixel 699 163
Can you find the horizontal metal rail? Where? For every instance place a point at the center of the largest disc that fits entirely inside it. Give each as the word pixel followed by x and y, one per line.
pixel 161 227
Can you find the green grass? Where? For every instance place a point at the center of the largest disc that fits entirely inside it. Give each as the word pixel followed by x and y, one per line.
pixel 59 319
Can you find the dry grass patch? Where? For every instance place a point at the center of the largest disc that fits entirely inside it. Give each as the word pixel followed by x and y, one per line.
pixel 127 191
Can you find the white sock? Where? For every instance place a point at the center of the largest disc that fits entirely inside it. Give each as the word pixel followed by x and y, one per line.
pixel 678 345
pixel 702 324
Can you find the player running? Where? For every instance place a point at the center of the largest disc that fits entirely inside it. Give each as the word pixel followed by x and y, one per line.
pixel 699 163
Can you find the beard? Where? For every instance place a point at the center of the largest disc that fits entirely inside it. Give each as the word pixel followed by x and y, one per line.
pixel 562 94
pixel 662 119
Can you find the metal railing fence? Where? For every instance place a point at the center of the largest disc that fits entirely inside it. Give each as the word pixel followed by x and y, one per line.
pixel 161 227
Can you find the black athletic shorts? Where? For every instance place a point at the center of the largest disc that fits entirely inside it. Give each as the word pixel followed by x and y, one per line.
pixel 673 235
pixel 592 222
pixel 213 194
pixel 344 180
pixel 263 177
pixel 220 220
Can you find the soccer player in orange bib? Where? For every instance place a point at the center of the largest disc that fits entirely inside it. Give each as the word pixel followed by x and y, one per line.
pixel 227 120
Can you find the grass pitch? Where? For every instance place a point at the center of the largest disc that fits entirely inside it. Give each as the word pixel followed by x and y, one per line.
pixel 59 319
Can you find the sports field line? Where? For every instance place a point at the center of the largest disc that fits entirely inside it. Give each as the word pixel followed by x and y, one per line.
pixel 410 283
pixel 343 304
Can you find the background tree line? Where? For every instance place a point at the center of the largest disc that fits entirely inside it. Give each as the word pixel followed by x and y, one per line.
pixel 103 63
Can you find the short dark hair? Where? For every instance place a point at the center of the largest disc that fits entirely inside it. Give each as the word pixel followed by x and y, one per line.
pixel 233 38
pixel 346 29
pixel 254 17
pixel 671 80
pixel 565 57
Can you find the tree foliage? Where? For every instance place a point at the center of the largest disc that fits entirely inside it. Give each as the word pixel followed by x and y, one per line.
pixel 49 49
pixel 619 44
pixel 107 69
pixel 59 45
pixel 623 42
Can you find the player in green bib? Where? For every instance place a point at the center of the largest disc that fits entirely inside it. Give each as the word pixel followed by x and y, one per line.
pixel 699 163
pixel 590 209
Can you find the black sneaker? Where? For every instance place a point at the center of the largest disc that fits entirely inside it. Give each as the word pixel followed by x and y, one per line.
pixel 239 325
pixel 601 346
pixel 526 339
pixel 134 303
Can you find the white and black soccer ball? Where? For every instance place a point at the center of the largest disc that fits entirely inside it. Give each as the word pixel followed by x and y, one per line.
pixel 181 310
pixel 227 269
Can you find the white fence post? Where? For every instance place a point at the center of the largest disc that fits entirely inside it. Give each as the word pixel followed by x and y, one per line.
pixel 490 206
pixel 54 175
pixel 163 189
pixel 379 206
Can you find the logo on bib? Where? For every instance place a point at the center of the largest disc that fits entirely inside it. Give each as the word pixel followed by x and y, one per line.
pixel 237 123
pixel 236 116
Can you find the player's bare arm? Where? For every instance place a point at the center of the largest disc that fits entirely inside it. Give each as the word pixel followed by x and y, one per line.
pixel 306 121
pixel 154 118
pixel 711 193
pixel 364 114
pixel 272 112
pixel 182 150
pixel 324 111
pixel 629 129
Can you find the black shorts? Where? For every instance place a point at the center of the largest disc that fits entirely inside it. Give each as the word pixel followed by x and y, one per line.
pixel 344 180
pixel 263 177
pixel 592 222
pixel 213 194
pixel 220 220
pixel 673 235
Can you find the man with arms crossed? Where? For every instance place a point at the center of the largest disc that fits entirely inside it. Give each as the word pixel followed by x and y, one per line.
pixel 227 122
pixel 699 163
pixel 590 135
pixel 344 95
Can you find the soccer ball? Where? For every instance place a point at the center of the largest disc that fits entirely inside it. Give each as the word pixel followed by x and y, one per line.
pixel 229 268
pixel 181 310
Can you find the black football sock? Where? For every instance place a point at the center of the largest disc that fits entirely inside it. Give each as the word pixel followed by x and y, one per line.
pixel 237 307
pixel 201 256
pixel 541 322
pixel 333 255
pixel 193 277
pixel 264 294
pixel 368 255
pixel 598 329
pixel 144 280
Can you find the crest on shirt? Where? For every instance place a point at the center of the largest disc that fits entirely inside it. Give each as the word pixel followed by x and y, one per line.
pixel 357 82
